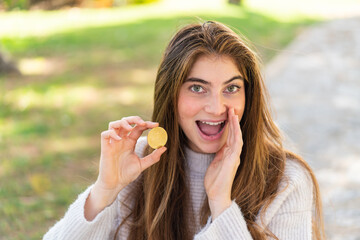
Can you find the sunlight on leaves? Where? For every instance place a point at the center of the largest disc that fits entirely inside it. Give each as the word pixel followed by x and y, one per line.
pixel 40 183
pixel 25 24
pixel 54 97
pixel 69 144
pixel 5 167
pixel 39 66
pixel 76 96
pixel 143 76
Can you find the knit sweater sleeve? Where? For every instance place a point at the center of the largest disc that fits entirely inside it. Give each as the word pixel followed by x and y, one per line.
pixel 74 224
pixel 288 217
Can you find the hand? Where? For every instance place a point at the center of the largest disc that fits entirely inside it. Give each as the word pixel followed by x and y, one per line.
pixel 119 164
pixel 221 172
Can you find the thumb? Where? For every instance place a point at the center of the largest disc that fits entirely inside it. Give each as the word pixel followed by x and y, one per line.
pixel 152 158
pixel 219 155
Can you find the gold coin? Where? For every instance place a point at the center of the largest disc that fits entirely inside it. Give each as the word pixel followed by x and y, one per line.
pixel 157 137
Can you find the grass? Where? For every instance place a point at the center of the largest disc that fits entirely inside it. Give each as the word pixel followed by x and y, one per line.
pixel 78 76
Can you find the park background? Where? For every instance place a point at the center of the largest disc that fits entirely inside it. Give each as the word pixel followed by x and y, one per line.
pixel 68 70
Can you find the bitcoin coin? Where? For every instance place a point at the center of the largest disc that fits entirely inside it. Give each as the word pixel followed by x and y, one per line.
pixel 157 137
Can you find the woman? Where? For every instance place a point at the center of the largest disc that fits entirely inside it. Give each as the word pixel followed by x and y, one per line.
pixel 223 174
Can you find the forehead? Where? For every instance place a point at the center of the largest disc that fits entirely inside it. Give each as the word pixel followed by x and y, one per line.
pixel 214 68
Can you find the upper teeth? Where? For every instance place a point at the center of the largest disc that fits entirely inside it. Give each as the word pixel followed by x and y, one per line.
pixel 213 123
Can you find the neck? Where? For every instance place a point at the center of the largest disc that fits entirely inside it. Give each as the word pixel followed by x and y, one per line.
pixel 197 162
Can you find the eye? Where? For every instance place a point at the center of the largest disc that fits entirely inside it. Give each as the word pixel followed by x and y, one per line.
pixel 232 89
pixel 197 89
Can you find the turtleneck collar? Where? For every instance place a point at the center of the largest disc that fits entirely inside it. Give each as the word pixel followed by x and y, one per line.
pixel 198 163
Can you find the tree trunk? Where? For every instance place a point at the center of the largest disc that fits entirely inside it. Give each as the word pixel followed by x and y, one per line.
pixel 237 2
pixel 7 66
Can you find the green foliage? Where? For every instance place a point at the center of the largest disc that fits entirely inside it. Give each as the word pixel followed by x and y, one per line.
pixel 141 1
pixel 16 4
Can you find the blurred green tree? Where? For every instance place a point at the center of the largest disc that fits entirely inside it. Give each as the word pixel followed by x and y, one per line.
pixel 15 4
pixel 38 4
pixel 141 1
pixel 6 64
pixel 9 5
pixel 237 2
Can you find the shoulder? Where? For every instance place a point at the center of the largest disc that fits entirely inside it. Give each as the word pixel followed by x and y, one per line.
pixel 296 175
pixel 140 146
pixel 296 184
pixel 295 192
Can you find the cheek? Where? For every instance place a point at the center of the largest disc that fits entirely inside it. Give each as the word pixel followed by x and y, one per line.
pixel 239 106
pixel 184 113
pixel 239 111
pixel 188 108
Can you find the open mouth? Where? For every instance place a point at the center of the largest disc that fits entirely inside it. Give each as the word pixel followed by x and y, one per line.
pixel 211 129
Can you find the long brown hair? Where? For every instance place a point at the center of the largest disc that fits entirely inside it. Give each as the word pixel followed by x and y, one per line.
pixel 161 198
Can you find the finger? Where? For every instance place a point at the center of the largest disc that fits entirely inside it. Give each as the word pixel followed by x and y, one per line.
pixel 231 127
pixel 237 130
pixel 237 136
pixel 219 156
pixel 152 158
pixel 235 125
pixel 123 132
pixel 106 136
pixel 126 122
pixel 234 150
pixel 152 124
pixel 139 129
pixel 122 127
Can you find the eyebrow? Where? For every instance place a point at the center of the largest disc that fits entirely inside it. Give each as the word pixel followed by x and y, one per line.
pixel 199 80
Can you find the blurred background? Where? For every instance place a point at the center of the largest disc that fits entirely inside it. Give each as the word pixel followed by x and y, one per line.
pixel 68 67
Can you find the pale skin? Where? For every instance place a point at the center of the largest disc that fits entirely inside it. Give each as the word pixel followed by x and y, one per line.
pixel 214 92
pixel 119 165
pixel 220 174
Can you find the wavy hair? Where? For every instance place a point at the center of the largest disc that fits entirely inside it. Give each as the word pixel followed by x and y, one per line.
pixel 162 196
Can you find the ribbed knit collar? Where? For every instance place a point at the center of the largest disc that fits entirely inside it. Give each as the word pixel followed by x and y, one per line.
pixel 198 162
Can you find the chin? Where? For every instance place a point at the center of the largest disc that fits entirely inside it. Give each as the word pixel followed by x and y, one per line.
pixel 207 148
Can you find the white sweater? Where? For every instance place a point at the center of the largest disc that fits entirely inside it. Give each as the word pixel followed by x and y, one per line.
pixel 288 216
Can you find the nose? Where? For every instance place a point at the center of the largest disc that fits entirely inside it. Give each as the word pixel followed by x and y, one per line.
pixel 216 105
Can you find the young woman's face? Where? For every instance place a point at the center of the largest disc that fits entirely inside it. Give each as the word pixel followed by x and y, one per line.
pixel 214 85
